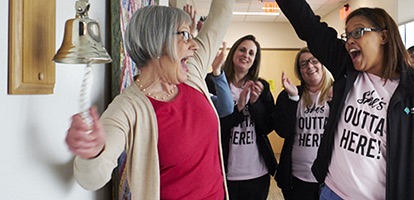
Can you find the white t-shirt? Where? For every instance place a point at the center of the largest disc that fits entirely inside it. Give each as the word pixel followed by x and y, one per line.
pixel 245 161
pixel 358 165
pixel 310 124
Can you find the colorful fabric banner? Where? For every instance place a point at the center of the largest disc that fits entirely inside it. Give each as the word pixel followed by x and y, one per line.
pixel 128 69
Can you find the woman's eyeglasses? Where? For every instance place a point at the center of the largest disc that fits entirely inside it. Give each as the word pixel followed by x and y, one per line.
pixel 186 35
pixel 304 63
pixel 357 33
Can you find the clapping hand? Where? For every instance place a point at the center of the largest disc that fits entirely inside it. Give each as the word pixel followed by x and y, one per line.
pixel 256 88
pixel 218 61
pixel 290 88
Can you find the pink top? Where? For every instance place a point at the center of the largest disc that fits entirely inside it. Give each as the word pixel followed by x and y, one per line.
pixel 358 165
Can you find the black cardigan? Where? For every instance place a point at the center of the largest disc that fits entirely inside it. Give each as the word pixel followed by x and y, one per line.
pixel 261 116
pixel 324 45
pixel 285 123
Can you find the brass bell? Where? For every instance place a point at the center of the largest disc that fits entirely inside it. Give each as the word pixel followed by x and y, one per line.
pixel 82 40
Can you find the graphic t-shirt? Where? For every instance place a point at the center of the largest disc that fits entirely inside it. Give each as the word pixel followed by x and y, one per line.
pixel 310 125
pixel 245 161
pixel 188 147
pixel 358 164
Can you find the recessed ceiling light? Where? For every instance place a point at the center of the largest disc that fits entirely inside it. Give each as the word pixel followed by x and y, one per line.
pixel 257 13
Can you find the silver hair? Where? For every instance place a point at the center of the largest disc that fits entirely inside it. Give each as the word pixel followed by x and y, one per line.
pixel 151 33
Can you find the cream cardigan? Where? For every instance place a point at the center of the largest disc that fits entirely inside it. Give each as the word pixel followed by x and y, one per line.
pixel 130 123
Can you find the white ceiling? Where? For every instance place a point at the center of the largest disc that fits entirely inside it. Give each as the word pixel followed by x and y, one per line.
pixel 320 7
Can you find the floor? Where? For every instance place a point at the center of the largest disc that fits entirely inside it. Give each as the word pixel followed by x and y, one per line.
pixel 274 193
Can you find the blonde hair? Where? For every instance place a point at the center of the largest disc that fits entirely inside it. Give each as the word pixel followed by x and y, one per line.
pixel 327 81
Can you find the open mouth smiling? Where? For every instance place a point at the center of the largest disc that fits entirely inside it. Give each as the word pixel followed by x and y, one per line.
pixel 354 53
pixel 244 61
pixel 184 63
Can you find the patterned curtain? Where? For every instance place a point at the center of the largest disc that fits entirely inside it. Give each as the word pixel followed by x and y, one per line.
pixel 123 67
pixel 123 71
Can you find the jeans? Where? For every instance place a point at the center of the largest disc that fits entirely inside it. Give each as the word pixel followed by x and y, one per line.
pixel 328 194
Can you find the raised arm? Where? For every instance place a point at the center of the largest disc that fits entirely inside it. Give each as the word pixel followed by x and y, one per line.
pixel 223 101
pixel 211 36
pixel 322 40
pixel 193 13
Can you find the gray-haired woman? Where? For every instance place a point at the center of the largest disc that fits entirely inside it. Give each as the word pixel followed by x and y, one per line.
pixel 165 121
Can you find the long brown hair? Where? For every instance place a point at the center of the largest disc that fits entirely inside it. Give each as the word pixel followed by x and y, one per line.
pixel 395 54
pixel 228 66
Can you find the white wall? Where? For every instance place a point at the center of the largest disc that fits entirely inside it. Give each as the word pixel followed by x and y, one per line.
pixel 35 162
pixel 268 34
pixel 405 11
pixel 282 36
pixel 388 5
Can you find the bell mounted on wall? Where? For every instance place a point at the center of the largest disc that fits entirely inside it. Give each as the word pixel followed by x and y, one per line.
pixel 82 44
pixel 82 39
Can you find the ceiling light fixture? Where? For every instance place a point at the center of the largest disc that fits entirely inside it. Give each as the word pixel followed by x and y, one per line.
pixel 271 7
pixel 257 13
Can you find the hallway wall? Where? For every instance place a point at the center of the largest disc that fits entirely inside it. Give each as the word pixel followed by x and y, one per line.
pixel 35 162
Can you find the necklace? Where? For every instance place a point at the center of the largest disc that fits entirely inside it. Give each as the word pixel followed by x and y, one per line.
pixel 158 97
